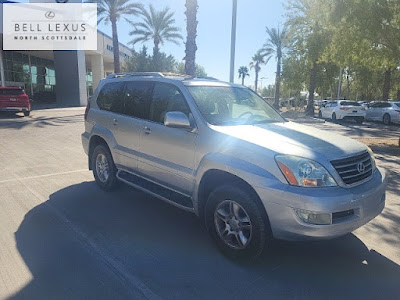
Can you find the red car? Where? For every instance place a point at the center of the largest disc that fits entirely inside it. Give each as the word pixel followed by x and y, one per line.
pixel 14 99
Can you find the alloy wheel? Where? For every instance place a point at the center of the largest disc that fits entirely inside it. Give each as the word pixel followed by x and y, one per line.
pixel 102 167
pixel 233 224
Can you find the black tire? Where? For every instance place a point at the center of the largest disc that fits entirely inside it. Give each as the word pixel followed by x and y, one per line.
pixel 334 117
pixel 360 120
pixel 320 114
pixel 27 113
pixel 260 235
pixel 111 181
pixel 386 119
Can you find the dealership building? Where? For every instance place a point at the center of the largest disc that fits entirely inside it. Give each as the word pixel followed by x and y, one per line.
pixel 71 76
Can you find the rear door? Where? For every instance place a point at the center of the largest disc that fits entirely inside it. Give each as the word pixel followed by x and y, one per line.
pixel 110 103
pixel 130 122
pixel 167 154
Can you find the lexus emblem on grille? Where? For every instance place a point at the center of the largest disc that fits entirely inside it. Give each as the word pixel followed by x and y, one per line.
pixel 360 167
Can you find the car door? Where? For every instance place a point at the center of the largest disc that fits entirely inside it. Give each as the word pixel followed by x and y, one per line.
pixel 110 103
pixel 136 98
pixel 325 109
pixel 369 113
pixel 167 154
pixel 376 111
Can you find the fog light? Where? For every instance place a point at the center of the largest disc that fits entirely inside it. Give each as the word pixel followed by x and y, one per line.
pixel 314 218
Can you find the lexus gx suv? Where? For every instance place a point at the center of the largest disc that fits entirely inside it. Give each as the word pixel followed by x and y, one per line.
pixel 220 151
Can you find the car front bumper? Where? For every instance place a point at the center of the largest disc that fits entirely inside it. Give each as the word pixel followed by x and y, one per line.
pixel 365 201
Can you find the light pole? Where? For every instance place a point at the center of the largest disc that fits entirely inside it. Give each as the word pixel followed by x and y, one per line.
pixel 261 80
pixel 233 40
pixel 340 84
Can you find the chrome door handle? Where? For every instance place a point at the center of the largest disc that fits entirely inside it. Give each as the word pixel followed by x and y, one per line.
pixel 115 122
pixel 147 130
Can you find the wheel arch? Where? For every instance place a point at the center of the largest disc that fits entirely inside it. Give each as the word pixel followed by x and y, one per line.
pixel 214 178
pixel 94 141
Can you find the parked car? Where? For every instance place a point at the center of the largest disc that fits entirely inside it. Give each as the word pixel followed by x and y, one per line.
pixel 386 112
pixel 343 110
pixel 249 174
pixel 14 99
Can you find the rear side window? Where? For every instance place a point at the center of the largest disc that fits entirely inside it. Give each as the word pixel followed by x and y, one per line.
pixel 11 92
pixel 397 104
pixel 349 103
pixel 111 97
pixel 137 99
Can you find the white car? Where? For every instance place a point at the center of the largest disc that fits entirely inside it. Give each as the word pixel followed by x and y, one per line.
pixel 343 110
pixel 386 112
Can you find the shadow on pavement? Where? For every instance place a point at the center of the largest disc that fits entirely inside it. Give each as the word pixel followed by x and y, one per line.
pixel 84 243
pixel 38 121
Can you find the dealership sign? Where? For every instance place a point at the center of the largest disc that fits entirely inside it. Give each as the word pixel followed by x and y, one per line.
pixel 49 26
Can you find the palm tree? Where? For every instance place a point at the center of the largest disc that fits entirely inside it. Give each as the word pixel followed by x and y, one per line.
pixel 257 60
pixel 191 28
pixel 243 72
pixel 276 43
pixel 112 11
pixel 157 26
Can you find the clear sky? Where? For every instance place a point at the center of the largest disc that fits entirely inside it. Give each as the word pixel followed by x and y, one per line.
pixel 214 34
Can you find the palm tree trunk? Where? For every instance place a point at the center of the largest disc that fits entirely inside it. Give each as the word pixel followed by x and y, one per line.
pixel 256 81
pixel 311 90
pixel 398 95
pixel 386 84
pixel 277 83
pixel 242 79
pixel 191 28
pixel 156 55
pixel 117 66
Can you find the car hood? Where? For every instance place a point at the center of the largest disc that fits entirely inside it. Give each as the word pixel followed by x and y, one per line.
pixel 296 139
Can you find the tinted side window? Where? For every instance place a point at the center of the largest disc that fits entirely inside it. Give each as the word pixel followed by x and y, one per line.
pixel 137 99
pixel 166 97
pixel 111 97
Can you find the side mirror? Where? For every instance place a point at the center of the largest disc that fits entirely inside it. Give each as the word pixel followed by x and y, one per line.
pixel 176 119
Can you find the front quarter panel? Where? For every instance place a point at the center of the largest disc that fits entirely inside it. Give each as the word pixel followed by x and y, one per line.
pixel 251 173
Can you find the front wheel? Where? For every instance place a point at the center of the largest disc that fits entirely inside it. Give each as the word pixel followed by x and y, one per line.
pixel 334 117
pixel 236 223
pixel 27 113
pixel 104 169
pixel 320 114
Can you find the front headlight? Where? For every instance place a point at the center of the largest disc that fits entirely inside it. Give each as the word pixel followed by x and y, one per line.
pixel 372 158
pixel 304 172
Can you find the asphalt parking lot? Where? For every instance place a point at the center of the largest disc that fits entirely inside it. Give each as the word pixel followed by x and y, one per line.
pixel 62 237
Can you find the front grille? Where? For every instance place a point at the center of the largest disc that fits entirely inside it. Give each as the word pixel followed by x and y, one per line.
pixel 348 168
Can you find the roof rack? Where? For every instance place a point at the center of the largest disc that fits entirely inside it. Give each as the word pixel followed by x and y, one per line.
pixel 145 74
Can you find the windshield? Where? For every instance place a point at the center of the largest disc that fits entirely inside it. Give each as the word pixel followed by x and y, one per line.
pixel 225 105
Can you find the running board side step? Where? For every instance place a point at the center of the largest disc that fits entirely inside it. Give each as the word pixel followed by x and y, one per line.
pixel 160 192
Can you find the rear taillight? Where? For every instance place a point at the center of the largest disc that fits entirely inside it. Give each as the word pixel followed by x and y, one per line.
pixel 87 109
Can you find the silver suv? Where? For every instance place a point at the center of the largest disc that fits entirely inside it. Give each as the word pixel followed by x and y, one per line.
pixel 220 151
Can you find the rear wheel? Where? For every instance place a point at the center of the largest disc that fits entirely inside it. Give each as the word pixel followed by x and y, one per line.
pixel 386 119
pixel 104 169
pixel 334 117
pixel 360 120
pixel 320 114
pixel 234 220
pixel 27 113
